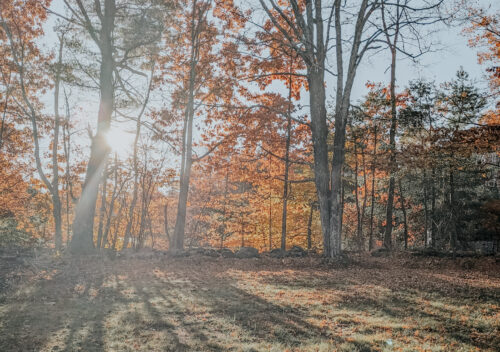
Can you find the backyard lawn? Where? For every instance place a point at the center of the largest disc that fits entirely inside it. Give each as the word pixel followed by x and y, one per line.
pixel 156 303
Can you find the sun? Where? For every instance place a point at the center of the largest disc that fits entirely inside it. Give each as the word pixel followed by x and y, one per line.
pixel 120 141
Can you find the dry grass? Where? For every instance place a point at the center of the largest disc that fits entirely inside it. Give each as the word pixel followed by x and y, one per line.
pixel 207 304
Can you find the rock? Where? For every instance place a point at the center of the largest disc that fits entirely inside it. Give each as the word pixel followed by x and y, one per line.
pixel 226 253
pixel 247 252
pixel 178 253
pixel 277 253
pixel 467 264
pixel 428 252
pixel 196 251
pixel 201 251
pixel 380 252
pixel 210 252
pixel 296 252
pixel 110 253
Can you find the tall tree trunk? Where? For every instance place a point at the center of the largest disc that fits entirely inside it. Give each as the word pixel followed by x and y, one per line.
pixel 135 161
pixel 287 163
pixel 102 210
pixel 131 208
pixel 56 200
pixel 150 227
pixel 392 155
pixel 403 208
pixel 147 187
pixel 270 206
pixel 425 186
pixel 319 131
pixel 372 203
pixel 187 141
pixel 67 158
pixel 185 175
pixel 165 222
pixel 130 219
pixel 53 187
pixel 117 222
pixel 114 195
pixel 68 226
pixel 365 186
pixel 433 208
pixel 242 232
pixel 223 231
pixel 314 45
pixel 67 181
pixel 83 224
pixel 4 112
pixel 453 215
pixel 392 37
pixel 343 102
pixel 359 227
pixel 309 227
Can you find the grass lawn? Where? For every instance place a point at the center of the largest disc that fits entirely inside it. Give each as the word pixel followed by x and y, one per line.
pixel 216 304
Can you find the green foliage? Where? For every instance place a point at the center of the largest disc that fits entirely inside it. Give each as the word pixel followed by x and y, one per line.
pixel 11 235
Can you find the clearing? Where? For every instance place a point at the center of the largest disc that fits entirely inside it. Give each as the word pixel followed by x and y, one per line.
pixel 155 303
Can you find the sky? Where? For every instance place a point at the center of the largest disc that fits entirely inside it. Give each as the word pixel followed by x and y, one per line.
pixel 438 66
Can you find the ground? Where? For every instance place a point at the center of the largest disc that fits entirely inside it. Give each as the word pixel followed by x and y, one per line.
pixel 154 303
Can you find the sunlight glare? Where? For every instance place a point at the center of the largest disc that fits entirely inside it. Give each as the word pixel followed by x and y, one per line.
pixel 120 141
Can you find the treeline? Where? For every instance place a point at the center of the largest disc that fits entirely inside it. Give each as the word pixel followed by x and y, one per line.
pixel 222 150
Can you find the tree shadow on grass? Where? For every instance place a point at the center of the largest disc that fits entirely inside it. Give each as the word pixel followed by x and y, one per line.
pixel 397 304
pixel 199 307
pixel 232 318
pixel 62 309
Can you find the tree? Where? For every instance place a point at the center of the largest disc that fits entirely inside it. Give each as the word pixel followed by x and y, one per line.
pixel 484 30
pixel 307 31
pixel 120 31
pixel 201 66
pixel 21 25
pixel 400 23
pixel 83 223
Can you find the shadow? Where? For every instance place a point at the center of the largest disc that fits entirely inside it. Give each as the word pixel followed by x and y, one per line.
pixel 40 308
pixel 94 304
pixel 155 320
pixel 401 296
pixel 201 306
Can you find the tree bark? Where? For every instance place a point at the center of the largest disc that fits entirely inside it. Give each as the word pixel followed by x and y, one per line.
pixel 433 208
pixel 114 195
pixel 392 166
pixel 165 222
pixel 426 210
pixel 372 203
pixel 359 227
pixel 83 224
pixel 403 209
pixel 4 112
pixel 56 200
pixel 343 99
pixel 53 187
pixel 309 227
pixel 187 142
pixel 270 223
pixel 308 28
pixel 287 163
pixel 392 155
pixel 319 131
pixel 453 215
pixel 392 45
pixel 102 210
